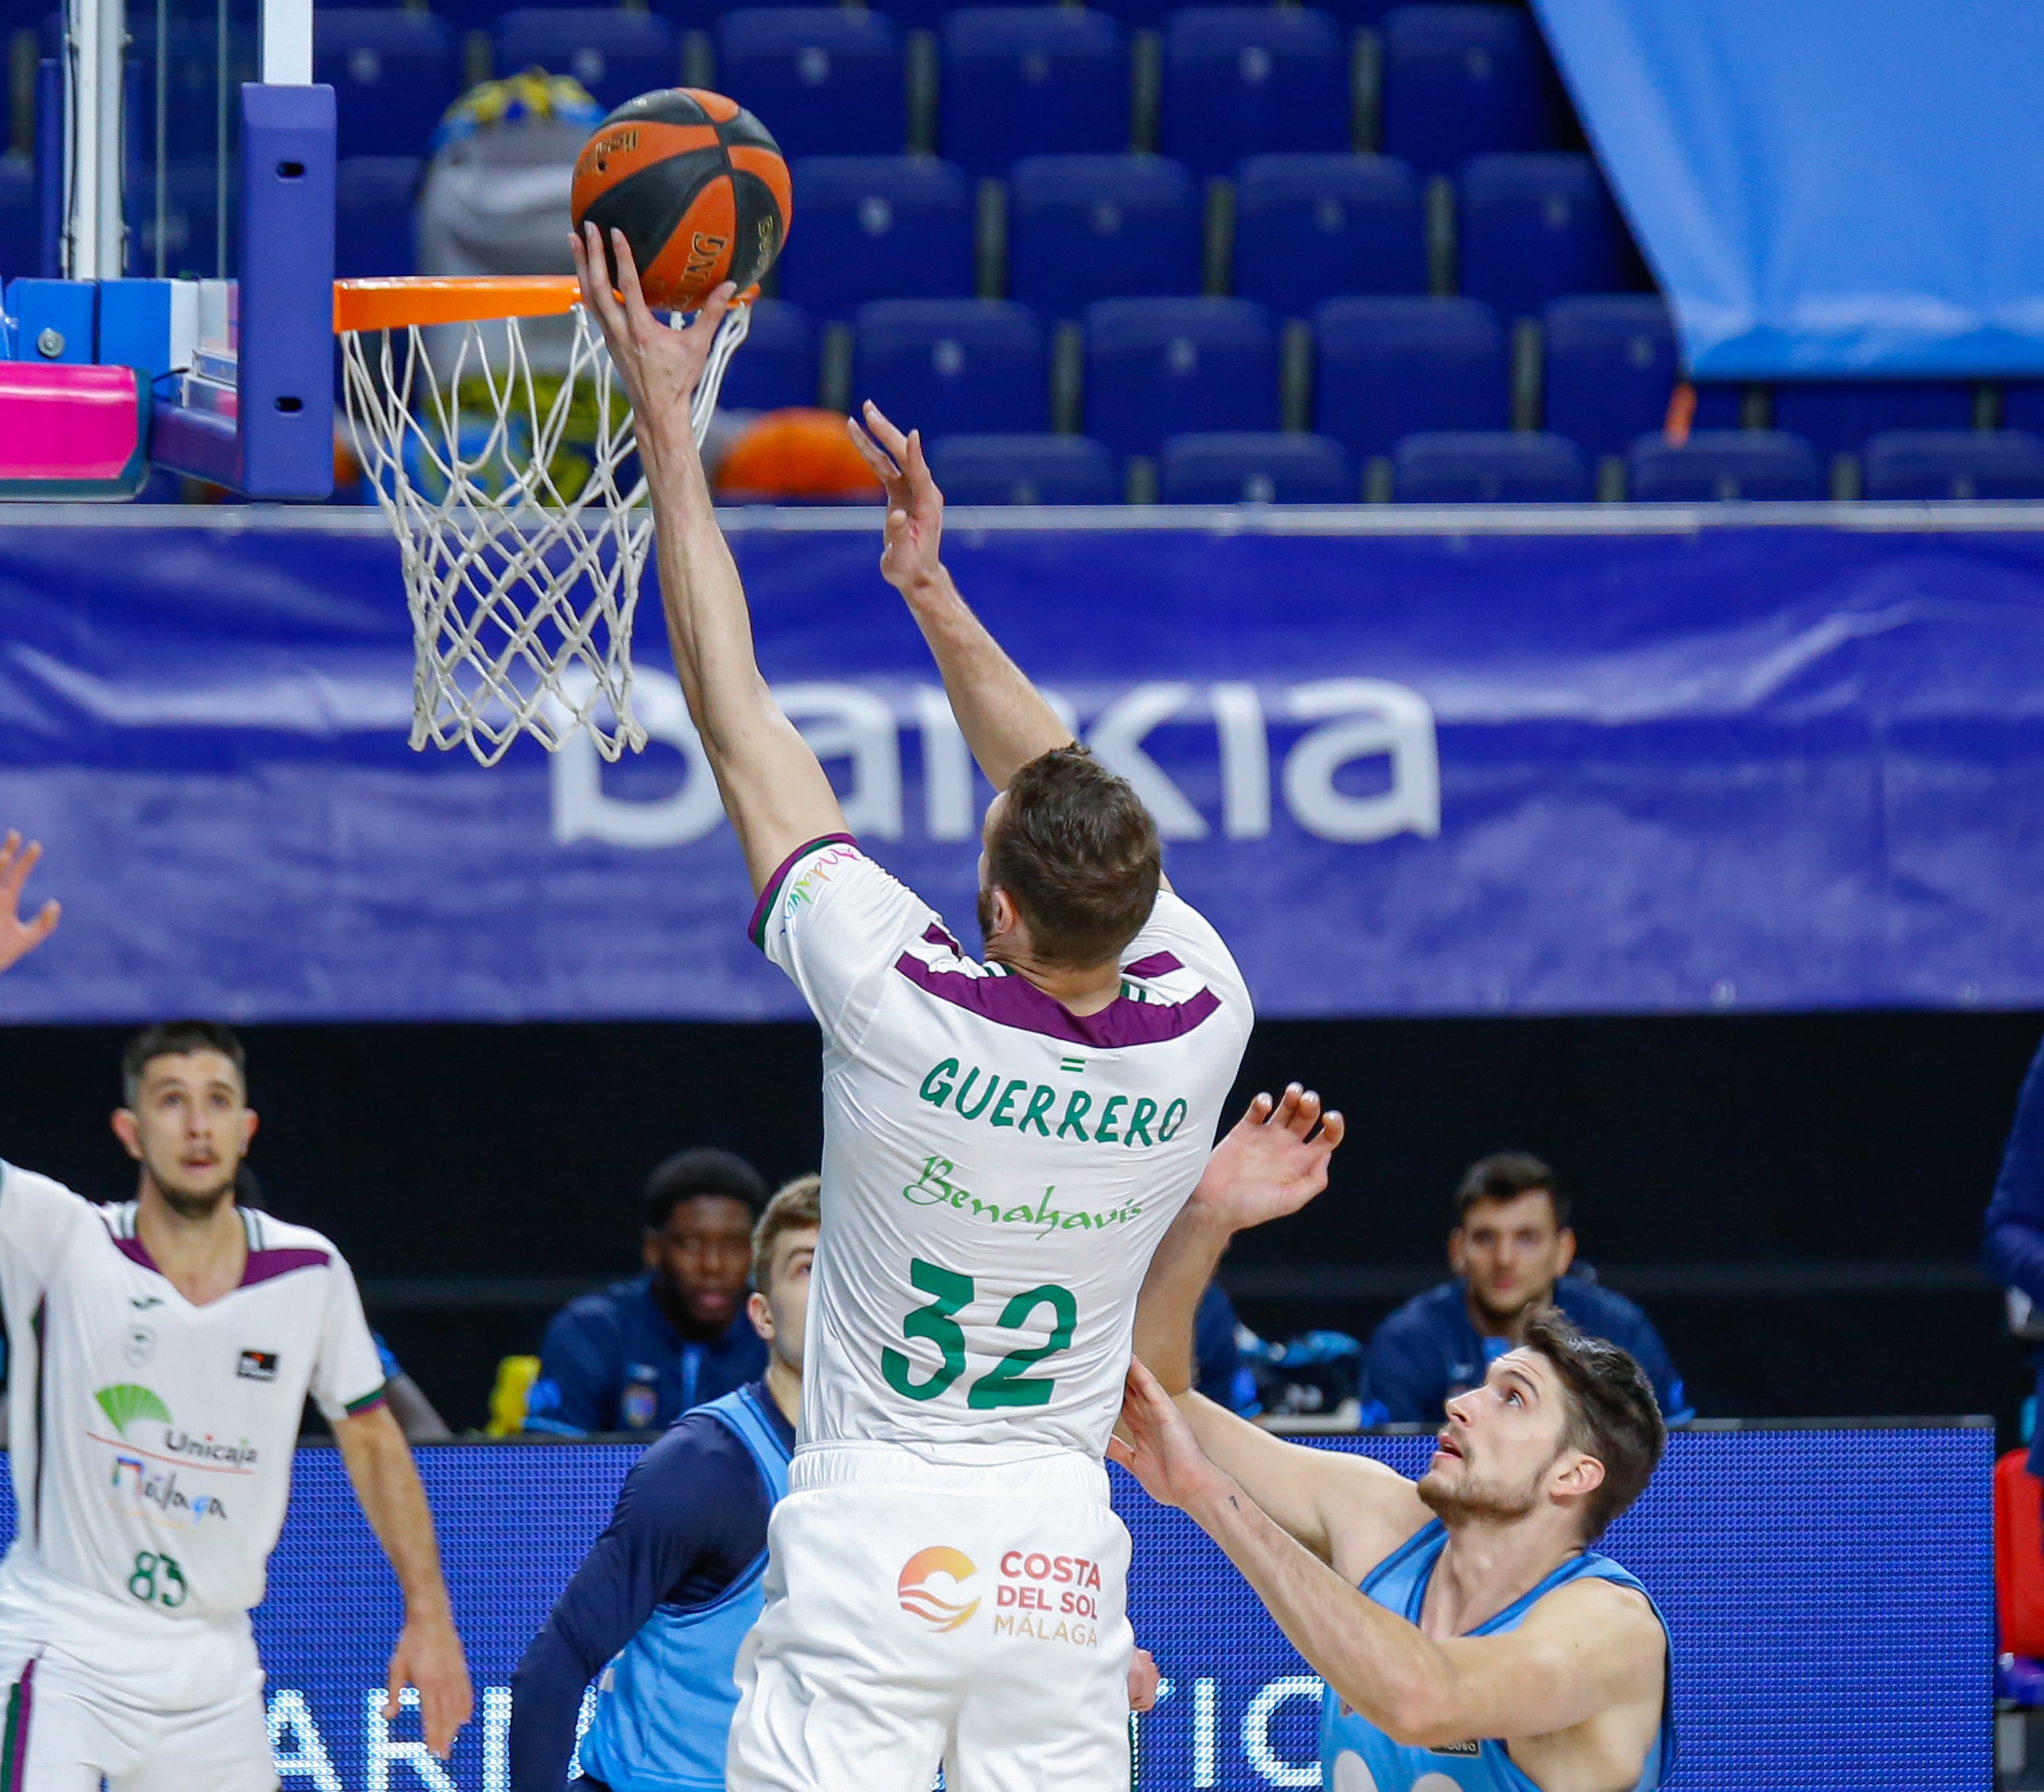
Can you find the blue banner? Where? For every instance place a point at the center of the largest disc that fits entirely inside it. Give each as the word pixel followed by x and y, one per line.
pixel 1825 189
pixel 1828 1594
pixel 1405 773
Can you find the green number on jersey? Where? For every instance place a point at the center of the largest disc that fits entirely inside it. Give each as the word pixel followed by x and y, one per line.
pixel 142 1584
pixel 1003 1385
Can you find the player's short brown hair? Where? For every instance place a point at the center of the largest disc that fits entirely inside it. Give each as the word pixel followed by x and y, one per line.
pixel 174 1039
pixel 1078 854
pixel 1613 1414
pixel 1505 1176
pixel 797 1207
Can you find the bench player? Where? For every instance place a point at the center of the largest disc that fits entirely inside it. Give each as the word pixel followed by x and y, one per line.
pixel 1005 1142
pixel 1471 1637
pixel 161 1351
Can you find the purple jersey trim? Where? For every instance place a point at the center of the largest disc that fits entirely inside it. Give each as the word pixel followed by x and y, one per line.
pixel 1014 1001
pixel 1158 964
pixel 756 929
pixel 262 1266
pixel 368 1402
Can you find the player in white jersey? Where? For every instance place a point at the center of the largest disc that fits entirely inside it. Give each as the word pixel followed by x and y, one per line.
pixel 161 1352
pixel 1005 1142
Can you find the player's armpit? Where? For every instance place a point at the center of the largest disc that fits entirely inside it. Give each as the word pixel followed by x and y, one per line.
pixel 1585 1650
pixel 1347 1509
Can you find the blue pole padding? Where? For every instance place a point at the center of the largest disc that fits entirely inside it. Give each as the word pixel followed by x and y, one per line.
pixel 49 164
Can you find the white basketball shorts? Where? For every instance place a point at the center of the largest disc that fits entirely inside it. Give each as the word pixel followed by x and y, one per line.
pixel 919 1613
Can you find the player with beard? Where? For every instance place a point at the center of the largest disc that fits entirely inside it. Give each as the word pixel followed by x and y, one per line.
pixel 162 1350
pixel 1469 1636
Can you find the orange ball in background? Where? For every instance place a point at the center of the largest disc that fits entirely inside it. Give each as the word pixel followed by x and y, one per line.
pixel 697 185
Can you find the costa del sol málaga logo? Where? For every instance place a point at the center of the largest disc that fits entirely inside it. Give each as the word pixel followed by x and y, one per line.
pixel 932 1587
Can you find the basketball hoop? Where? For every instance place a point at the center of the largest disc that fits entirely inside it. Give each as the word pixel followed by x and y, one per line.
pixel 508 470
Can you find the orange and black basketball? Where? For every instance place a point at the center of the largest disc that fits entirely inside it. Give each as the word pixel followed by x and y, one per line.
pixel 697 185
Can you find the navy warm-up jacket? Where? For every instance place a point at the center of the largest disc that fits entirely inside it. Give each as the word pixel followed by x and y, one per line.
pixel 2014 1244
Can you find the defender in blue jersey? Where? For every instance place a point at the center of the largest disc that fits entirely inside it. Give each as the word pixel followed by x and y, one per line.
pixel 1470 1638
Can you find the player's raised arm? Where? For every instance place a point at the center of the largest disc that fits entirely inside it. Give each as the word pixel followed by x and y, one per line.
pixel 775 791
pixel 19 937
pixel 1004 718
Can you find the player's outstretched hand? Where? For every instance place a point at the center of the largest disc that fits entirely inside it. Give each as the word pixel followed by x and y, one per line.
pixel 910 561
pixel 428 1657
pixel 1154 1443
pixel 19 937
pixel 1143 1681
pixel 659 368
pixel 1272 1162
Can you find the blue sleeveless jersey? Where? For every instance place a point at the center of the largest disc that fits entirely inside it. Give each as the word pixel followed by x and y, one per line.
pixel 664 1705
pixel 1357 1756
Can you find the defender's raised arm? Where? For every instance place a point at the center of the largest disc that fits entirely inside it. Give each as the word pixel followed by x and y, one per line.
pixel 19 937
pixel 1004 718
pixel 775 791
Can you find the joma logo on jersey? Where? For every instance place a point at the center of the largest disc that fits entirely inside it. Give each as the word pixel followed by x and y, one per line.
pixel 257 1365
pixel 934 1189
pixel 1130 1120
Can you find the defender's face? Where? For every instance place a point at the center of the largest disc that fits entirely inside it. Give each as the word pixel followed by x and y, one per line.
pixel 1501 1441
pixel 704 1255
pixel 190 1126
pixel 1513 1253
pixel 781 1309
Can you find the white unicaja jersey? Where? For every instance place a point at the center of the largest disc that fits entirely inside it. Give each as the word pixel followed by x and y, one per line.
pixel 997 1172
pixel 150 1440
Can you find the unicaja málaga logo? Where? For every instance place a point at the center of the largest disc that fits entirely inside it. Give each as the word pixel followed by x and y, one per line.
pixel 932 1587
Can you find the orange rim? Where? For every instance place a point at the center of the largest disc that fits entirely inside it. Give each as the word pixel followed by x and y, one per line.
pixel 392 305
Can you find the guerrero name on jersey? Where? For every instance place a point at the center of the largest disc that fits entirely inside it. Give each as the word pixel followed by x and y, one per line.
pixel 997 1172
pixel 150 1440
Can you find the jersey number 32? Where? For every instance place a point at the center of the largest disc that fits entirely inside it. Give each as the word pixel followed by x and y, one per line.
pixel 1003 1385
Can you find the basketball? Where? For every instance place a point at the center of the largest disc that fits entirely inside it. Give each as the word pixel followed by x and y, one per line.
pixel 697 185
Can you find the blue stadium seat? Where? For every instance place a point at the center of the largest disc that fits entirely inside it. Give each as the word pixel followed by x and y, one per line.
pixel 1836 416
pixel 776 368
pixel 617 54
pixel 1255 466
pixel 951 367
pixel 1954 463
pixel 20 220
pixel 1387 367
pixel 1611 367
pixel 372 216
pixel 1025 470
pixel 877 227
pixel 393 73
pixel 1725 464
pixel 1165 366
pixel 1463 81
pixel 1537 227
pixel 1082 228
pixel 1243 80
pixel 1489 466
pixel 1308 227
pixel 825 80
pixel 1032 80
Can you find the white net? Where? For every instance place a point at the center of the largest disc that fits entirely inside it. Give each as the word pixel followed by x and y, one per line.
pixel 514 488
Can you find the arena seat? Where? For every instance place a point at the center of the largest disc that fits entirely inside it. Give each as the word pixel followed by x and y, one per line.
pixel 393 74
pixel 1032 80
pixel 1386 367
pixel 828 78
pixel 1462 81
pixel 1156 367
pixel 372 216
pixel 1836 417
pixel 1025 470
pixel 1309 228
pixel 1725 465
pixel 1610 368
pixel 1953 464
pixel 1537 228
pixel 1243 80
pixel 877 227
pixel 1082 228
pixel 616 54
pixel 776 369
pixel 949 366
pixel 1487 466
pixel 1255 466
